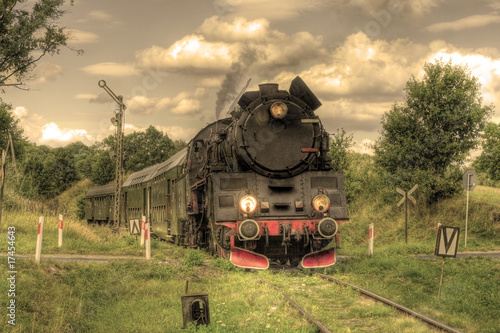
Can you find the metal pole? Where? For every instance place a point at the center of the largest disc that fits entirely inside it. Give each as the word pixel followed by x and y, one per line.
pixel 467 209
pixel 119 152
pixel 118 170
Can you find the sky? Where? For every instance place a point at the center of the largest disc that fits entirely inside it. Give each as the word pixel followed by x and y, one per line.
pixel 179 64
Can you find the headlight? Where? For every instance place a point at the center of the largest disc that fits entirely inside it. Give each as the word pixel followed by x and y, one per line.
pixel 279 110
pixel 249 229
pixel 327 227
pixel 321 203
pixel 248 204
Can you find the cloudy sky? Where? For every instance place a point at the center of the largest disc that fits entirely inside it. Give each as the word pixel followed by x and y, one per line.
pixel 169 60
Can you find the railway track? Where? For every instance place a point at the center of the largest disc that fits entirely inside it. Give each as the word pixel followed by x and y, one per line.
pixel 395 305
pixel 323 328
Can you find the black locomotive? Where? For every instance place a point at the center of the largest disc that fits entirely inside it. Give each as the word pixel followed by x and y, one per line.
pixel 253 187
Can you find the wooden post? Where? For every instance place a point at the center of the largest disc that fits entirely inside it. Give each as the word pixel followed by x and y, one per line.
pixel 370 239
pixel 441 280
pixel 406 217
pixel 143 228
pixel 39 238
pixel 60 240
pixel 148 241
pixel 467 209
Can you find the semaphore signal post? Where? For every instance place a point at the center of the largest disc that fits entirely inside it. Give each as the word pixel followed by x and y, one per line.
pixel 118 120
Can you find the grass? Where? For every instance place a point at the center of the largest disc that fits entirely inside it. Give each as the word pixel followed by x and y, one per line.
pixel 145 296
pixel 78 237
pixel 389 223
pixel 470 292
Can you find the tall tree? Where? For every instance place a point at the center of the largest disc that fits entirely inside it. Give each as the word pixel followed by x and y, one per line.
pixel 27 36
pixel 489 160
pixel 435 127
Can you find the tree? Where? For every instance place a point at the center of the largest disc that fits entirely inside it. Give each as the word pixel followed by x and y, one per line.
pixel 103 168
pixel 143 149
pixel 9 124
pixel 435 127
pixel 27 36
pixel 489 160
pixel 339 150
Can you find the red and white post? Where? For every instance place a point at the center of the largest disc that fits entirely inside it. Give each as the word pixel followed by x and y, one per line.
pixel 148 241
pixel 38 251
pixel 60 240
pixel 143 228
pixel 370 239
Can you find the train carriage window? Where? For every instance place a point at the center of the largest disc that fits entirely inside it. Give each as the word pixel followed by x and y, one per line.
pixel 325 182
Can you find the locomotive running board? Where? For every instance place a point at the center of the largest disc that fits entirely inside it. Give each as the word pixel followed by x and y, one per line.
pixel 247 259
pixel 323 258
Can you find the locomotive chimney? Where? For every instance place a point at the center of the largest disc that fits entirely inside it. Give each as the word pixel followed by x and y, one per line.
pixel 268 89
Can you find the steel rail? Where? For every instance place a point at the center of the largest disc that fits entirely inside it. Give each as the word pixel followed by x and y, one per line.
pixel 393 304
pixel 311 319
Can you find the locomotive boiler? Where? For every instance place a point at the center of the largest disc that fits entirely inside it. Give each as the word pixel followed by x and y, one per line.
pixel 253 187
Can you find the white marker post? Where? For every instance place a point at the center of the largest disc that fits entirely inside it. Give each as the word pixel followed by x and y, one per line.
pixel 143 227
pixel 469 180
pixel 148 241
pixel 59 243
pixel 38 250
pixel 370 239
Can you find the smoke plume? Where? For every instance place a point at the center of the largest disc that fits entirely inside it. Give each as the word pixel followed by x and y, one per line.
pixel 228 89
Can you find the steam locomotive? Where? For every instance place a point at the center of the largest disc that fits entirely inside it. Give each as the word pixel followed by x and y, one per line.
pixel 253 187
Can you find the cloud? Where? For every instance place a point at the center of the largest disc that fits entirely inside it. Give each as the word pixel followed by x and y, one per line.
pixel 401 8
pixel 99 15
pixel 363 77
pixel 112 69
pixel 272 10
pixel 46 72
pixel 363 69
pixel 485 68
pixel 184 103
pixel 53 135
pixel 474 21
pixel 191 54
pixel 50 133
pixel 217 45
pixel 81 37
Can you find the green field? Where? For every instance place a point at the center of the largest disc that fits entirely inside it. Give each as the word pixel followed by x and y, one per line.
pixel 145 296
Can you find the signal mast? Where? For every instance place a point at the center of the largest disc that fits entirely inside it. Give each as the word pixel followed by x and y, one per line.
pixel 118 120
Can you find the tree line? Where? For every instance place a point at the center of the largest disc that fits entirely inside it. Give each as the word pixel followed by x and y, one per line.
pixel 46 172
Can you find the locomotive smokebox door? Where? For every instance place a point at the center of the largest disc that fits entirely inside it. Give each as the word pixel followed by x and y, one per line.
pixel 195 308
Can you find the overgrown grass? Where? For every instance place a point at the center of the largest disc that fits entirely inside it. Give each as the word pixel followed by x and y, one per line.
pixel 389 223
pixel 470 292
pixel 78 237
pixel 140 296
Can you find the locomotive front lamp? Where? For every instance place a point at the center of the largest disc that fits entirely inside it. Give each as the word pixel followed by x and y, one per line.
pixel 278 110
pixel 321 203
pixel 327 227
pixel 248 204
